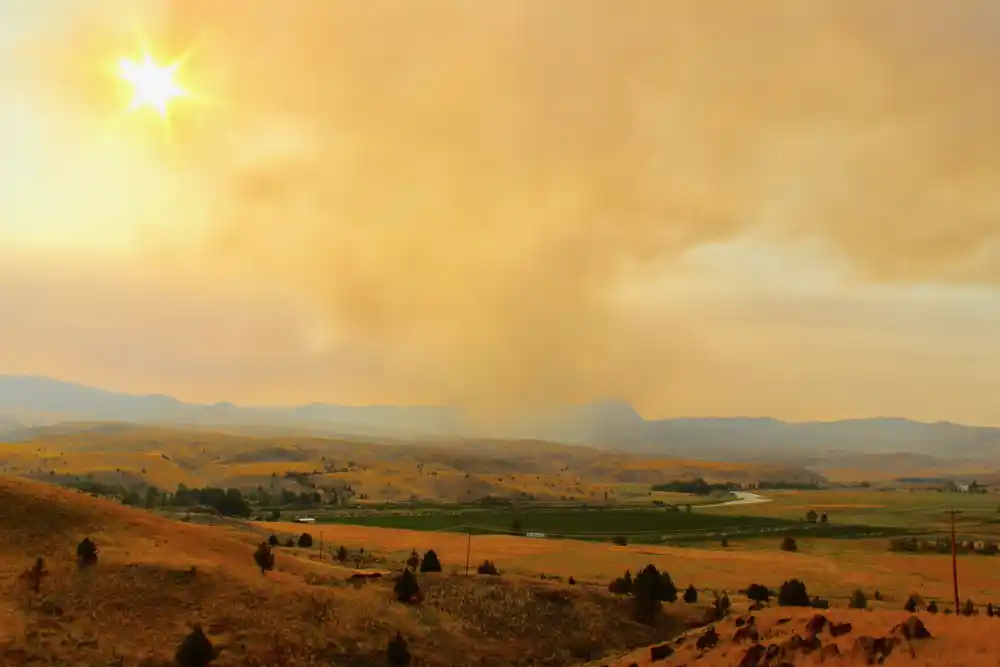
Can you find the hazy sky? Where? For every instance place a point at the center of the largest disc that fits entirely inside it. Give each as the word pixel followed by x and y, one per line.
pixel 781 207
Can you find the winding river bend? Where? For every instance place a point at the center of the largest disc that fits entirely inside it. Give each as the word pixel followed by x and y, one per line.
pixel 742 498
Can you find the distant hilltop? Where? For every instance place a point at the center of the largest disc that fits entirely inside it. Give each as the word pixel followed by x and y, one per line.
pixel 31 400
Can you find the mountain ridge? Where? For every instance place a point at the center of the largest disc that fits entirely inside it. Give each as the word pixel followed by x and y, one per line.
pixel 27 399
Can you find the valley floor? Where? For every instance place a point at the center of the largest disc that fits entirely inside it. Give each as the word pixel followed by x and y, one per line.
pixel 157 577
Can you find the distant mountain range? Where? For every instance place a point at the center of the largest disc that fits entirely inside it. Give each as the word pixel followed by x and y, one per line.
pixel 26 401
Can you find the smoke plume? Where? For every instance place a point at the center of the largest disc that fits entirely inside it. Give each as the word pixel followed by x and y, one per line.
pixel 467 186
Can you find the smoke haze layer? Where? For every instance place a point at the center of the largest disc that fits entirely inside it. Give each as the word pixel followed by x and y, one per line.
pixel 467 186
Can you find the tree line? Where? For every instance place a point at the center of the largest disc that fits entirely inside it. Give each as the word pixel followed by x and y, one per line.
pixel 228 502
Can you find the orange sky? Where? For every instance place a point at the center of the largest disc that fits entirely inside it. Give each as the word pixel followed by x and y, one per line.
pixel 781 207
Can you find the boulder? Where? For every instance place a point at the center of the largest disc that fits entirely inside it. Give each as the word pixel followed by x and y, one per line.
pixel 874 650
pixel 816 624
pixel 828 652
pixel 838 629
pixel 708 640
pixel 754 656
pixel 912 628
pixel 661 652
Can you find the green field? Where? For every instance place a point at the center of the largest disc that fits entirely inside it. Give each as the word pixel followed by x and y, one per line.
pixel 854 514
pixel 916 511
pixel 602 524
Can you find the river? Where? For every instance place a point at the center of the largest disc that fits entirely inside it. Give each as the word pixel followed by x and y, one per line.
pixel 742 498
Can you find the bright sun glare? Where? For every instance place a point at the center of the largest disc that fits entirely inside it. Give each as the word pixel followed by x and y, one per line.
pixel 153 84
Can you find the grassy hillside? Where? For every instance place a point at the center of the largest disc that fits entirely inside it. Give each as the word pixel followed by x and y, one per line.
pixel 156 578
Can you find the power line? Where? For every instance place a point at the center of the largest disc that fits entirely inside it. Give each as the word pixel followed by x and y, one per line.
pixel 954 557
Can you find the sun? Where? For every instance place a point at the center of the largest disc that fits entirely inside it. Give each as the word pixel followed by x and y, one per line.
pixel 153 85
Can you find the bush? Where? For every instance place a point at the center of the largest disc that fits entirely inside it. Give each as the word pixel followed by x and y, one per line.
pixel 758 593
pixel 968 608
pixel 988 548
pixel 904 544
pixel 942 545
pixel 272 541
pixel 516 528
pixel 793 594
pixel 812 516
pixel 650 589
pixel 620 540
pixel 720 607
pixel 932 607
pixel 264 557
pixel 34 574
pixel 86 553
pixel 406 587
pixel 430 562
pixel 789 544
pixel 398 655
pixel 342 554
pixel 571 581
pixel 911 605
pixel 858 600
pixel 645 607
pixel 622 585
pixel 413 562
pixel 690 594
pixel 289 542
pixel 487 568
pixel 305 540
pixel 232 503
pixel 724 543
pixel 196 650
pixel 659 584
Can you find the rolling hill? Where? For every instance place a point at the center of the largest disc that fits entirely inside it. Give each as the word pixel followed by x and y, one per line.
pixel 450 470
pixel 156 578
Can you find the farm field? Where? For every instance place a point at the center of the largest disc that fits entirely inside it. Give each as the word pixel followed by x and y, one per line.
pixel 914 511
pixel 603 524
pixel 832 568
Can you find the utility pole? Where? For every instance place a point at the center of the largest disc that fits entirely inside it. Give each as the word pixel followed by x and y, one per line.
pixel 468 552
pixel 954 559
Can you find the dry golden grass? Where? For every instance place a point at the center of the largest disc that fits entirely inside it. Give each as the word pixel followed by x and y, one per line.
pixel 831 567
pixel 143 596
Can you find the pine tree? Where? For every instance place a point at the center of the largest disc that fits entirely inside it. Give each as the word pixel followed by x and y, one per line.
pixel 264 558
pixel 406 587
pixel 430 562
